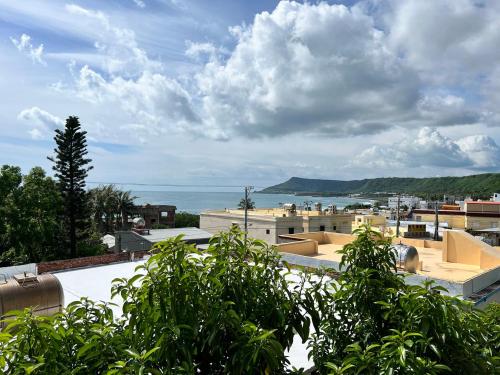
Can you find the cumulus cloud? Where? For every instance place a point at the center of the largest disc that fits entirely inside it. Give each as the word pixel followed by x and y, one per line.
pixel 293 71
pixel 24 45
pixel 447 40
pixel 132 81
pixel 42 122
pixel 432 149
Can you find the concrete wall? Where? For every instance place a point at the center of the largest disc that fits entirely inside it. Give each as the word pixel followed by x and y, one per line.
pixel 477 223
pixel 454 221
pixel 263 228
pixel 305 247
pixel 340 223
pixel 461 247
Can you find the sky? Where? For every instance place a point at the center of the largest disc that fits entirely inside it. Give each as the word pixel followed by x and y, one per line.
pixel 254 92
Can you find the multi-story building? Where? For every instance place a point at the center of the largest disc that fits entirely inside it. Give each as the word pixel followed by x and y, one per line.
pixel 476 215
pixel 371 220
pixel 269 224
pixel 404 200
pixel 155 215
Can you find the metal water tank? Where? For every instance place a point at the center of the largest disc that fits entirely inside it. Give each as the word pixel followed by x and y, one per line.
pixel 406 257
pixel 44 293
pixel 139 222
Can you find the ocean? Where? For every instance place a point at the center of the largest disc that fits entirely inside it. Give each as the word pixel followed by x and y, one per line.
pixel 196 202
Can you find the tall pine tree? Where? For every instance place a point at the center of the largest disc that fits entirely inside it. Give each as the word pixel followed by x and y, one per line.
pixel 71 168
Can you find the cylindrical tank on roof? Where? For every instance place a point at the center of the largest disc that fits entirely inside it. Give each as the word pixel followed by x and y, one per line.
pixel 139 222
pixel 43 293
pixel 289 207
pixel 406 257
pixel 318 206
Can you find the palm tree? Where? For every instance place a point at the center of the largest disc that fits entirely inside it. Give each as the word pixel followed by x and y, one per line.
pixel 125 202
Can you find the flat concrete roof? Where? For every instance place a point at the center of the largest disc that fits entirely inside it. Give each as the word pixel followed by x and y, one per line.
pixel 274 212
pixel 190 233
pixel 433 266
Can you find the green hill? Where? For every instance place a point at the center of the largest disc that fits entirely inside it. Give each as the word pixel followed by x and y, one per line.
pixel 480 184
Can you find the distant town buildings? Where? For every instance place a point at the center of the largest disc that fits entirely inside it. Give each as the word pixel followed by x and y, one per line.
pixel 475 215
pixel 269 223
pixel 404 200
pixel 461 263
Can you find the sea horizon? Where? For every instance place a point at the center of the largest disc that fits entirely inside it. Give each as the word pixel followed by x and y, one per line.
pixel 196 202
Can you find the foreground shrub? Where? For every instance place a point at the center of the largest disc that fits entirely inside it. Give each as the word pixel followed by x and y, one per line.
pixel 229 310
pixel 371 322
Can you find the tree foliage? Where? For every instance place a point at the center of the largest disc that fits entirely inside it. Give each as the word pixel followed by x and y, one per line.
pixel 71 167
pixel 234 310
pixel 110 208
pixel 30 209
pixel 231 310
pixel 249 203
pixel 186 219
pixel 371 322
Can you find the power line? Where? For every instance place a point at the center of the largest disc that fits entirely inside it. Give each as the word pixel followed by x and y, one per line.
pixel 168 185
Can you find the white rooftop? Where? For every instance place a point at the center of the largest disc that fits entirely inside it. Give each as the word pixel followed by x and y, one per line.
pixel 95 284
pixel 190 233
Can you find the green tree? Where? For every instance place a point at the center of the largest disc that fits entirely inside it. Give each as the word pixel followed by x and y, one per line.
pixel 110 207
pixel 39 231
pixel 125 203
pixel 71 168
pixel 249 203
pixel 186 219
pixel 184 312
pixel 10 182
pixel 371 322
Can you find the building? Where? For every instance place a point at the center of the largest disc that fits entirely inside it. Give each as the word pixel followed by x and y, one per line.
pixel 135 240
pixel 482 215
pixel 404 200
pixel 269 223
pixel 154 215
pixel 372 220
pixel 475 215
pixel 461 263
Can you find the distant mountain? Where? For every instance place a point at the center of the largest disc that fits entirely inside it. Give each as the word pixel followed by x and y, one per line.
pixel 480 184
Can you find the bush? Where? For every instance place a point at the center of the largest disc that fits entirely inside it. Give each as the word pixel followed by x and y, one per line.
pixel 185 219
pixel 371 322
pixel 230 310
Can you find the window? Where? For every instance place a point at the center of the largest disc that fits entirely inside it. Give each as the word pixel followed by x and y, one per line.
pixel 321 228
pixel 164 214
pixel 291 230
pixel 268 231
pixel 334 227
pixel 419 218
pixel 153 221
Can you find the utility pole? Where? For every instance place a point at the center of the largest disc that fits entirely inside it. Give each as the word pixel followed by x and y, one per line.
pixel 397 216
pixel 247 191
pixel 436 222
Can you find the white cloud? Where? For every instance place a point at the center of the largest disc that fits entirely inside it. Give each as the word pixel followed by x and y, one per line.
pixel 432 149
pixel 42 122
pixel 140 3
pixel 24 45
pixel 447 110
pixel 293 70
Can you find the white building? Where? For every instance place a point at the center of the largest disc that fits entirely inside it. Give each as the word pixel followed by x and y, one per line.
pixel 269 223
pixel 404 200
